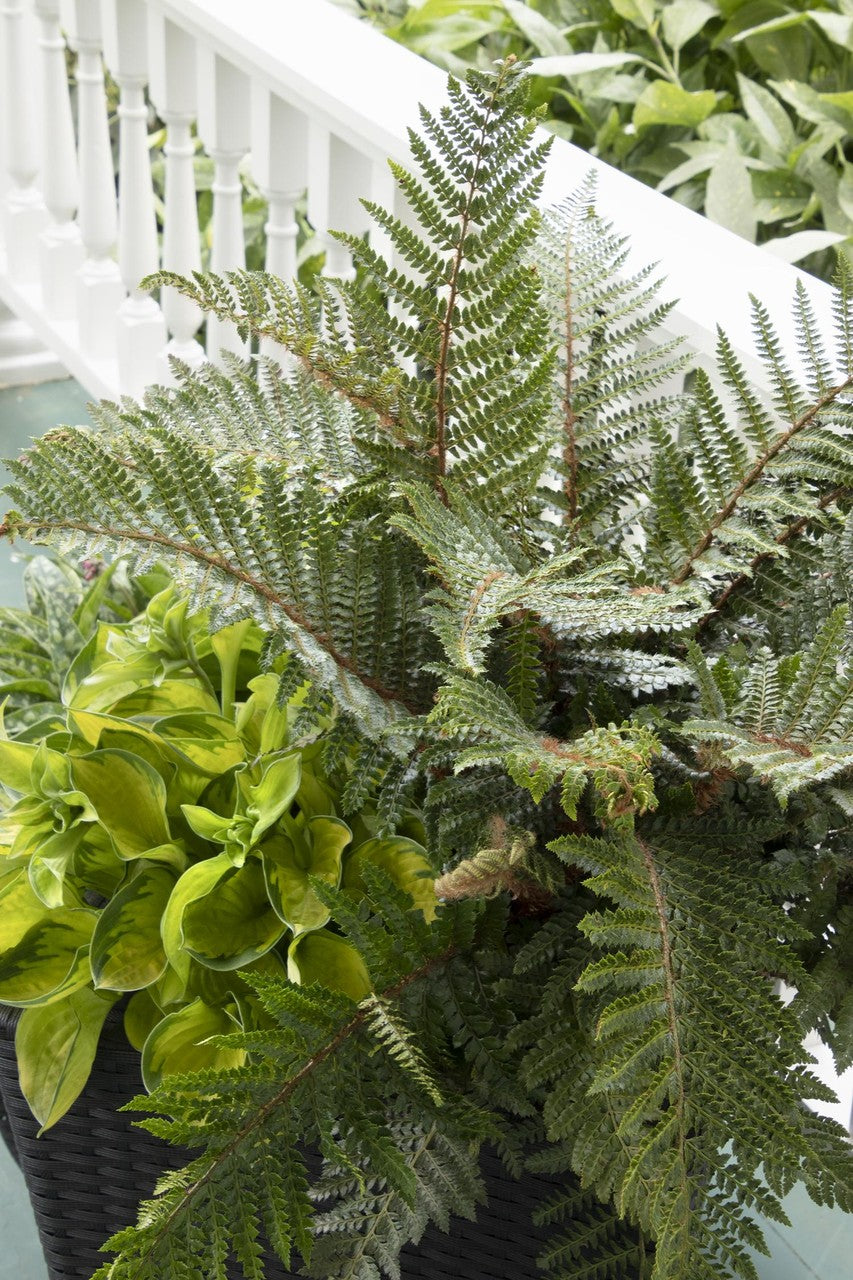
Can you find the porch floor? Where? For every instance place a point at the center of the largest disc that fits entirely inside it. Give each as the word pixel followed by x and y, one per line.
pixel 27 412
pixel 818 1246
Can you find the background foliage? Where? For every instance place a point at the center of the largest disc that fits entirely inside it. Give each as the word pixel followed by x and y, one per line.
pixel 742 110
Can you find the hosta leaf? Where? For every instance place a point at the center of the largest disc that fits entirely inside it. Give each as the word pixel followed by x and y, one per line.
pixel 129 797
pixel 234 922
pixel 50 960
pixel 177 1044
pixel 405 861
pixel 291 857
pixel 193 886
pixel 55 1046
pixel 325 958
pixel 127 950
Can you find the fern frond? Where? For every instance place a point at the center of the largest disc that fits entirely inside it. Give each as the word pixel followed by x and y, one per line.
pixel 670 1025
pixel 727 499
pixel 320 1047
pixel 791 721
pixel 611 368
pixel 466 309
pixel 616 760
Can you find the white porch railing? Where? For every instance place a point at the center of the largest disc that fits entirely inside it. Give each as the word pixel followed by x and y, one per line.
pixel 319 101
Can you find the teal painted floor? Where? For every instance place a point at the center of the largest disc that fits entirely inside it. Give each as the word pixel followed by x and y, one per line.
pixel 819 1245
pixel 27 412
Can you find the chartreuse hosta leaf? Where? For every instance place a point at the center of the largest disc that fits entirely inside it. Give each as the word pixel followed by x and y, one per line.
pixel 129 797
pixel 178 1042
pixel 200 740
pixel 295 854
pixel 47 825
pixel 234 922
pixel 404 860
pixel 325 958
pixel 193 886
pixel 55 1046
pixel 260 804
pixel 127 951
pixel 43 954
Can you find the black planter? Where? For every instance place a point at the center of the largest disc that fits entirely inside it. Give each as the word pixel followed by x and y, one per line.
pixel 87 1174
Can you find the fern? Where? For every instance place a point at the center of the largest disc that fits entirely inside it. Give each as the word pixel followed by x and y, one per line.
pixel 607 384
pixel 792 718
pixel 728 497
pixel 646 1102
pixel 320 1047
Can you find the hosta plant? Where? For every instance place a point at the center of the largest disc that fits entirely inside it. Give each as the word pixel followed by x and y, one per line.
pixel 160 842
pixel 597 629
pixel 38 642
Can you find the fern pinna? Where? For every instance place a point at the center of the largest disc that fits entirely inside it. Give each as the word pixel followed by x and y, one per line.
pixel 595 624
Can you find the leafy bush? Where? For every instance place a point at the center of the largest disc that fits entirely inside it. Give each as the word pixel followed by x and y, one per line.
pixel 741 110
pixel 163 843
pixel 601 632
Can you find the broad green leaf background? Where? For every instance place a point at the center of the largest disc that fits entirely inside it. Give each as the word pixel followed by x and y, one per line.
pixel 705 99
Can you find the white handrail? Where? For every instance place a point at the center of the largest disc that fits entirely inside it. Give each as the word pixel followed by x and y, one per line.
pixel 322 100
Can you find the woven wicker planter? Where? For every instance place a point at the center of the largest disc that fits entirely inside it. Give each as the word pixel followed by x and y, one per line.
pixel 86 1175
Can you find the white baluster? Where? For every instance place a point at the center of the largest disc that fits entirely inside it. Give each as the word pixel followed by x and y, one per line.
pixel 100 291
pixel 25 214
pixel 141 326
pixel 61 244
pixel 280 168
pixel 224 125
pixel 173 91
pixel 338 177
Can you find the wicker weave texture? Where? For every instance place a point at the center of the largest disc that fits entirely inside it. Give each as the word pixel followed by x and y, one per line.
pixel 87 1174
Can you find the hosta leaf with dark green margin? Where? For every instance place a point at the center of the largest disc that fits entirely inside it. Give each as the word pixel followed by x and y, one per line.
pixel 291 856
pixel 55 1046
pixel 127 949
pixel 234 922
pixel 176 1045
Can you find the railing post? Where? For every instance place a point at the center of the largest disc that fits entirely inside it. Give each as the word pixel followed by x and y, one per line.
pixel 62 250
pixel 141 326
pixel 224 125
pixel 339 176
pixel 172 87
pixel 25 215
pixel 280 168
pixel 100 291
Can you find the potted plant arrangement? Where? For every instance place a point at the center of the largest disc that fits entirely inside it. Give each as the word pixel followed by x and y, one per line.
pixel 39 641
pixel 161 845
pixel 596 634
